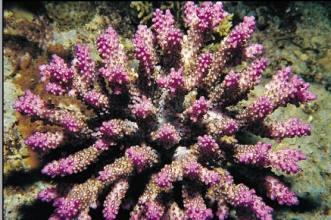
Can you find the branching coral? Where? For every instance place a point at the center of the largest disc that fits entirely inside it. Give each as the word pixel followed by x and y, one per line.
pixel 180 148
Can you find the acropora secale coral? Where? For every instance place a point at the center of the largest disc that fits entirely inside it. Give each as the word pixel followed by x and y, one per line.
pixel 172 123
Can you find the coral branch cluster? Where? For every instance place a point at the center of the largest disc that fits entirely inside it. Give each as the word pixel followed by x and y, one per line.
pixel 170 126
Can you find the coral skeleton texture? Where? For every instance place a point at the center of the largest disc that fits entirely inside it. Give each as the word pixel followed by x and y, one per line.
pixel 173 121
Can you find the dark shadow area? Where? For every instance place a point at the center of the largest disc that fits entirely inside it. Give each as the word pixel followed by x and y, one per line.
pixel 25 45
pixel 137 185
pixel 306 204
pixel 36 210
pixel 34 6
pixel 21 178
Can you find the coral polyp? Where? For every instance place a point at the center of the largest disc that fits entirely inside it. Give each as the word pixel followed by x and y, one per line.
pixel 173 122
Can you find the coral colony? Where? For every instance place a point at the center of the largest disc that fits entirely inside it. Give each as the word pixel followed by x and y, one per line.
pixel 174 120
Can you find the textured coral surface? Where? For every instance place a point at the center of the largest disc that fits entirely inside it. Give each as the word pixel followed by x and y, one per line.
pixel 174 124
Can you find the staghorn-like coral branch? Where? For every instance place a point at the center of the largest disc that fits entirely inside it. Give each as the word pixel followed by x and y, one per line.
pixel 238 196
pixel 207 145
pixel 48 194
pixel 219 124
pixel 194 170
pixel 144 42
pixel 96 99
pixel 108 44
pixel 276 190
pixel 198 109
pixel 32 105
pixel 260 154
pixel 249 78
pixel 169 174
pixel 78 201
pixel 153 210
pixel 236 39
pixel 287 88
pixel 241 33
pixel 206 16
pixel 257 111
pixel 185 167
pixel 200 20
pixel 173 82
pixel 136 158
pixel 84 63
pixel 195 207
pixel 168 36
pixel 142 107
pixel 202 67
pixel 116 76
pixel 122 167
pixel 174 212
pixel 286 160
pixel 66 119
pixel 58 75
pixel 287 129
pixel 44 141
pixel 117 128
pixel 113 200
pixel 166 135
pixel 74 163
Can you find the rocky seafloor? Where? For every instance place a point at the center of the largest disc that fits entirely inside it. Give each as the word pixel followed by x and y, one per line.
pixel 294 33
